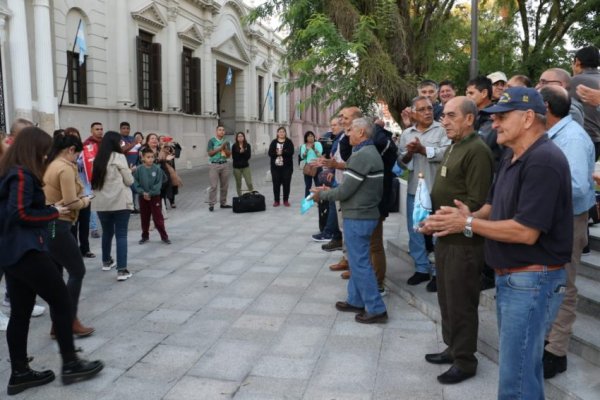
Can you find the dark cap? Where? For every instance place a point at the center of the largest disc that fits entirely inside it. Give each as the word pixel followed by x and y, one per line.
pixel 518 98
pixel 589 57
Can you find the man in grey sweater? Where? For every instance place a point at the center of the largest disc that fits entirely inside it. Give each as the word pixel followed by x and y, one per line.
pixel 359 196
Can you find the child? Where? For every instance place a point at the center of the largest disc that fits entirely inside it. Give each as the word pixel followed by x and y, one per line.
pixel 149 178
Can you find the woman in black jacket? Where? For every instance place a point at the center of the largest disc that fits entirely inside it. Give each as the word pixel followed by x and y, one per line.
pixel 281 152
pixel 241 151
pixel 28 267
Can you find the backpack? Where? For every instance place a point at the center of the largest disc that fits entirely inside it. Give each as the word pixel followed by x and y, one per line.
pixel 382 138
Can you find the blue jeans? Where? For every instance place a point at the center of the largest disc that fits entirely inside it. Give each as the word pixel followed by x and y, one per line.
pixel 362 286
pixel 526 304
pixel 416 241
pixel 332 227
pixel 115 223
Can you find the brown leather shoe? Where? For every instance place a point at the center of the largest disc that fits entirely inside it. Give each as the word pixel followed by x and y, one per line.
pixel 345 275
pixel 345 307
pixel 342 265
pixel 368 318
pixel 80 330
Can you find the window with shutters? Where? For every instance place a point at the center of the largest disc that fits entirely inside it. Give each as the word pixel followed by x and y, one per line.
pixel 149 73
pixel 261 94
pixel 76 78
pixel 190 82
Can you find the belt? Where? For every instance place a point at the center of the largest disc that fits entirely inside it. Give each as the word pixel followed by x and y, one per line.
pixel 528 268
pixel 218 162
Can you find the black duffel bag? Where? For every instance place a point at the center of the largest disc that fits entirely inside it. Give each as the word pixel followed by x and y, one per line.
pixel 249 202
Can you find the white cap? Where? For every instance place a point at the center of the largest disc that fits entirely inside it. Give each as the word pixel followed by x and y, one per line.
pixel 497 76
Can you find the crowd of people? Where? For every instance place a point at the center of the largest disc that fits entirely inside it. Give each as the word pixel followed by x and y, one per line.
pixel 510 170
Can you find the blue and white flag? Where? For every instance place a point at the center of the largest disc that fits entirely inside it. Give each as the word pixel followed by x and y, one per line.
pixel 228 77
pixel 80 41
pixel 422 207
pixel 270 99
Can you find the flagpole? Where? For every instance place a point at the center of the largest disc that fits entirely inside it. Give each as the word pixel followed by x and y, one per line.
pixel 262 111
pixel 69 65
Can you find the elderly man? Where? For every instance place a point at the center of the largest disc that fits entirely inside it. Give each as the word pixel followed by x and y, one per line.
pixel 359 195
pixel 499 80
pixel 421 149
pixel 578 148
pixel 528 223
pixel 560 77
pixel 465 174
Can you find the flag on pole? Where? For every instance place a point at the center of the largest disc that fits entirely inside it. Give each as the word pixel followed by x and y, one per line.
pixel 422 207
pixel 270 99
pixel 80 41
pixel 228 77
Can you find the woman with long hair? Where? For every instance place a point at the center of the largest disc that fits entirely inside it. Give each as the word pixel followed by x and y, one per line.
pixel 111 183
pixel 309 151
pixel 281 152
pixel 63 186
pixel 28 267
pixel 241 151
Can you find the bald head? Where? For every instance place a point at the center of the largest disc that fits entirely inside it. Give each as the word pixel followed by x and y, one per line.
pixel 557 101
pixel 349 114
pixel 19 125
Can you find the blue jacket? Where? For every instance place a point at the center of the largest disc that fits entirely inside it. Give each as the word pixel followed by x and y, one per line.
pixel 24 216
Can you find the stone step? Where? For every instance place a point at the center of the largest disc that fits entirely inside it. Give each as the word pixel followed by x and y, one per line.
pixel 580 381
pixel 590 265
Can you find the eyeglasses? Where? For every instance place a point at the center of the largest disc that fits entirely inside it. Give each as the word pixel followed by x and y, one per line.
pixel 424 109
pixel 545 82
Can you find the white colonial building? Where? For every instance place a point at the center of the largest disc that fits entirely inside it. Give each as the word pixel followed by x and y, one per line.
pixel 161 65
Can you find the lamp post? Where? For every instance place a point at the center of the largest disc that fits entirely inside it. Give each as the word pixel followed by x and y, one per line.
pixel 474 64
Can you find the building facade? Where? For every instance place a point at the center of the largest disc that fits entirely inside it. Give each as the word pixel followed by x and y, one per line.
pixel 176 67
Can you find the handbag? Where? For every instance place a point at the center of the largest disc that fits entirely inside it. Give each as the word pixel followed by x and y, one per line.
pixel 310 170
pixel 175 179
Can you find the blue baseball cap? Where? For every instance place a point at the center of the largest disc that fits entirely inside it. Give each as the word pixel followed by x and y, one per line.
pixel 518 98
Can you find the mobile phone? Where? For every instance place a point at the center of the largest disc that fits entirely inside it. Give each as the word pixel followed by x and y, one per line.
pixel 91 196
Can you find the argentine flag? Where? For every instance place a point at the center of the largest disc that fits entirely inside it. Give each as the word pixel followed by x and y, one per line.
pixel 270 98
pixel 80 41
pixel 422 207
pixel 229 77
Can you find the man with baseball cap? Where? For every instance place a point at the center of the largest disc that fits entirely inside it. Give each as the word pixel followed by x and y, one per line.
pixel 528 225
pixel 499 80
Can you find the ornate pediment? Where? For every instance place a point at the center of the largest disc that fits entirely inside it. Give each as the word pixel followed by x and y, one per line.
pixel 150 16
pixel 192 36
pixel 210 5
pixel 233 48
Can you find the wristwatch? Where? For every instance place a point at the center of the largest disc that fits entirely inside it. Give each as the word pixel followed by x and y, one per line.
pixel 468 231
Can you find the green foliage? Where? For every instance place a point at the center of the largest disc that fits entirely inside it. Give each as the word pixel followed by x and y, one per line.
pixel 587 32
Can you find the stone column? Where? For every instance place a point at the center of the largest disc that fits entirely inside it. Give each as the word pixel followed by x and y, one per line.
pixel 173 59
pixel 3 17
pixel 18 43
pixel 209 75
pixel 124 73
pixel 44 74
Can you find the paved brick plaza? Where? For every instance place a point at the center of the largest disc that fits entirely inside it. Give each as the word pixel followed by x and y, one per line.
pixel 241 306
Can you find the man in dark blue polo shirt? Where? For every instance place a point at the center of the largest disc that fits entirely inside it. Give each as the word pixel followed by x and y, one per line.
pixel 528 225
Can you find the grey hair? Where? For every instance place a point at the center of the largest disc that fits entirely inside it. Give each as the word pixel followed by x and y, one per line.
pixel 364 123
pixel 419 98
pixel 468 106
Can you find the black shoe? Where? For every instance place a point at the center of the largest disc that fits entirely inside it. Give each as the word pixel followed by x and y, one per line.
pixel 432 285
pixel 439 358
pixel 135 211
pixel 367 318
pixel 142 241
pixel 345 307
pixel 333 245
pixel 26 379
pixel 211 208
pixel 454 375
pixel 166 241
pixel 80 370
pixel 487 283
pixel 553 364
pixel 225 206
pixel 418 277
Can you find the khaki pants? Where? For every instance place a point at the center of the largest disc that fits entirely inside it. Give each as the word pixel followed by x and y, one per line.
pixel 218 174
pixel 562 328
pixel 378 253
pixel 238 174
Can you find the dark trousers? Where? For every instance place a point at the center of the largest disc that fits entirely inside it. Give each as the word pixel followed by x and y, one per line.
pixel 36 274
pixel 152 207
pixel 64 252
pixel 377 252
pixel 332 225
pixel 308 181
pixel 81 230
pixel 281 176
pixel 458 284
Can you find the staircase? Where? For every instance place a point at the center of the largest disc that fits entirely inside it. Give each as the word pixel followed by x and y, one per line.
pixel 581 381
